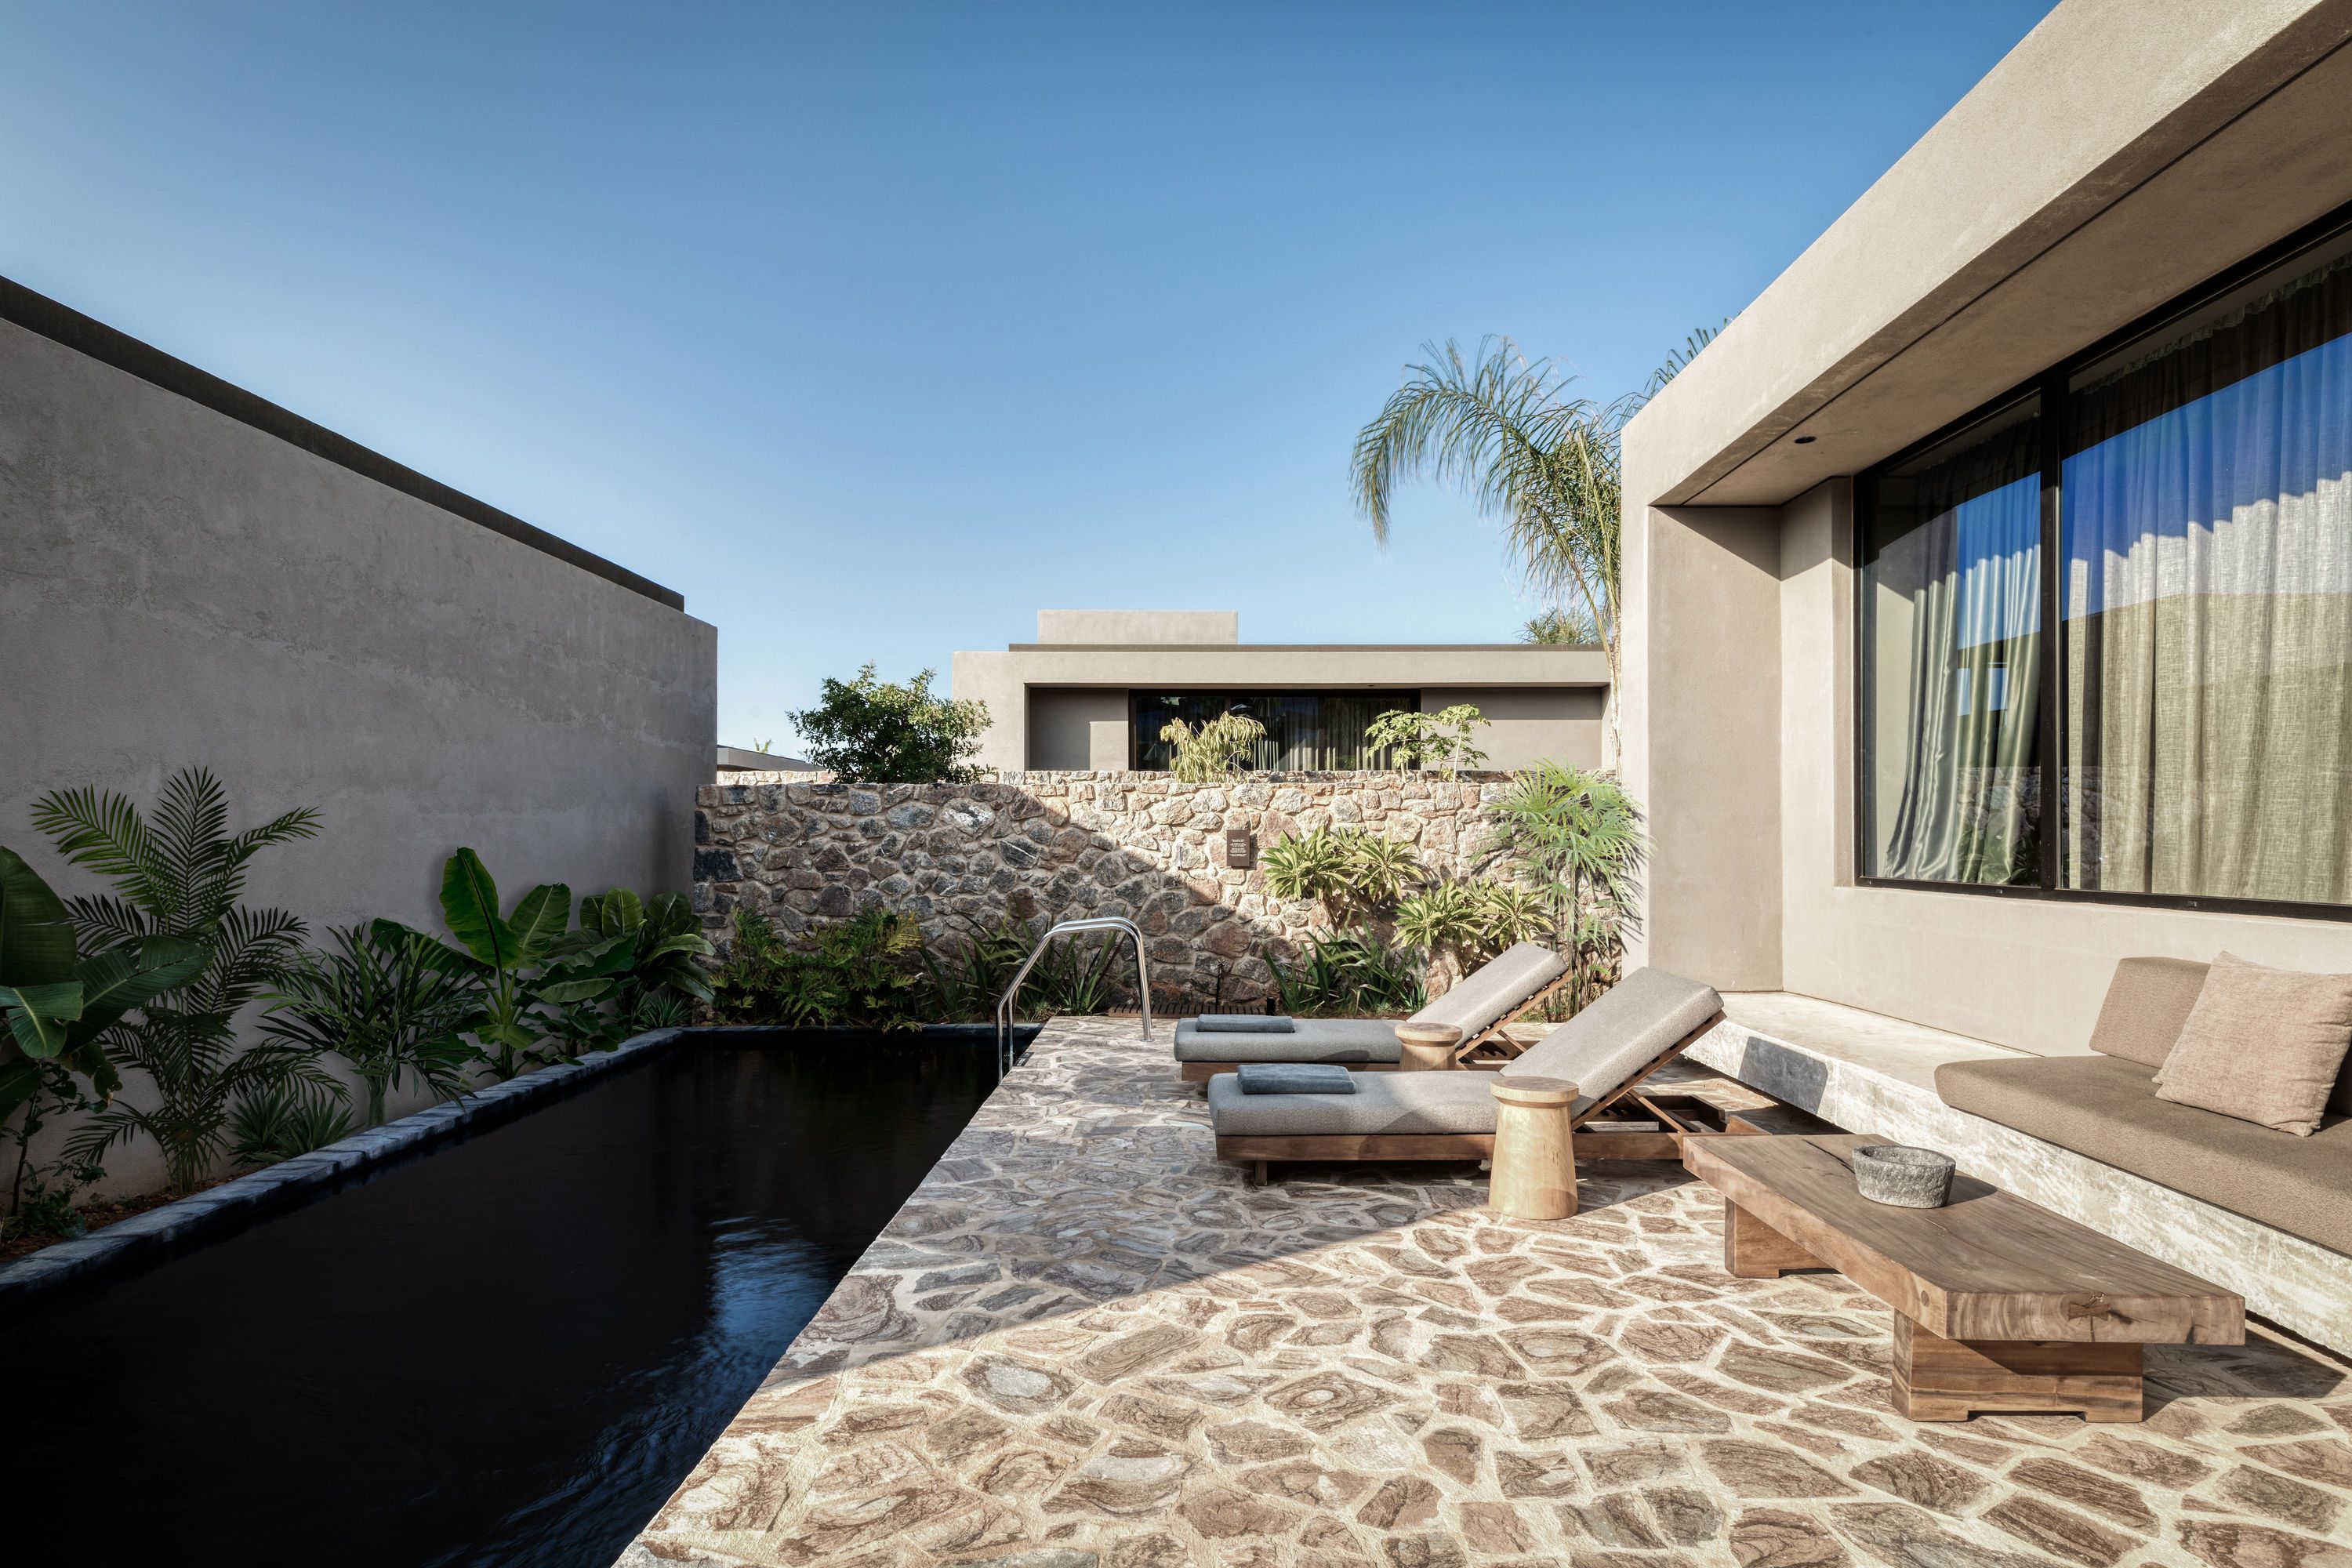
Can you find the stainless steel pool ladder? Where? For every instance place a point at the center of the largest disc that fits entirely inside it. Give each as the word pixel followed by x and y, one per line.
pixel 1005 1049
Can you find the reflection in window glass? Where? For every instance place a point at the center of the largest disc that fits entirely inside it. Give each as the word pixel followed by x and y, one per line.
pixel 2207 518
pixel 1951 622
pixel 1304 731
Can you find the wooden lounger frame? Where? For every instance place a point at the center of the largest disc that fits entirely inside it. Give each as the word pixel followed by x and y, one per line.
pixel 1257 1153
pixel 1201 1073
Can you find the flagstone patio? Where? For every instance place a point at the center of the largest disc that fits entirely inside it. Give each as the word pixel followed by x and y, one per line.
pixel 1084 1343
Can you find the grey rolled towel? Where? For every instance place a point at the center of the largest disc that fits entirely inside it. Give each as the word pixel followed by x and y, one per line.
pixel 1242 1023
pixel 1294 1077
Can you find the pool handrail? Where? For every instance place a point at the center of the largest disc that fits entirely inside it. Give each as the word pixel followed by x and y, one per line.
pixel 1004 1048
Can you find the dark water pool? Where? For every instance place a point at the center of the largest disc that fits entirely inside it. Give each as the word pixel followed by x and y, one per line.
pixel 508 1349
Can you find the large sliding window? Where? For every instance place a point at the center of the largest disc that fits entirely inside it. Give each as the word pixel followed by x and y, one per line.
pixel 1304 731
pixel 2191 487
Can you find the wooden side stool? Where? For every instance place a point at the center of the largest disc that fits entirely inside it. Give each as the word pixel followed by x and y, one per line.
pixel 1535 1149
pixel 1425 1047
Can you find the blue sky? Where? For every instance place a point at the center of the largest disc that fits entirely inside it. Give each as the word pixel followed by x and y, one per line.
pixel 872 329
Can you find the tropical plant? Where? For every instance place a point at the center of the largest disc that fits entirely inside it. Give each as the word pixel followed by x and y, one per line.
pixel 384 1001
pixel 1214 751
pixel 1562 626
pixel 1440 740
pixel 1546 464
pixel 497 961
pixel 174 910
pixel 970 969
pixel 281 1121
pixel 1352 873
pixel 643 956
pixel 1348 974
pixel 868 729
pixel 866 970
pixel 1576 837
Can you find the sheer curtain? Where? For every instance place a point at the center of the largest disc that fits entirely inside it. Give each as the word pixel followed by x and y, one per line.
pixel 1957 696
pixel 2207 638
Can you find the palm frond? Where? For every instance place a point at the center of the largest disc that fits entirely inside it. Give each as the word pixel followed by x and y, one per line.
pixel 105 833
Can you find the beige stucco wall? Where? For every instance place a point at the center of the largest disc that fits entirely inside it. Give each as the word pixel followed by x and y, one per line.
pixel 1126 627
pixel 2124 153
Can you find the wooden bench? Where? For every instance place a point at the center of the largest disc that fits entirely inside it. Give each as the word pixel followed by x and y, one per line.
pixel 1999 1303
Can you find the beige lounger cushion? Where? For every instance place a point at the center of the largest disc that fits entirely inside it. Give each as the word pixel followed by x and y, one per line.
pixel 1340 1040
pixel 1623 1031
pixel 1490 992
pixel 2105 1108
pixel 1390 1102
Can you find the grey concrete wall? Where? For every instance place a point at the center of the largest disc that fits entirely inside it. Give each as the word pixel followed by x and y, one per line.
pixel 179 588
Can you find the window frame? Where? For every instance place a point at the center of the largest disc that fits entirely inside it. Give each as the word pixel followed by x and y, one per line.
pixel 2051 384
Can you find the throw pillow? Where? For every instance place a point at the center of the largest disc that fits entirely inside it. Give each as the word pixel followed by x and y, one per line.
pixel 2262 1045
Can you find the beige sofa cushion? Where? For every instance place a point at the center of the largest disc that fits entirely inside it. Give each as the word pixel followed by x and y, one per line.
pixel 2148 1002
pixel 2105 1108
pixel 2261 1044
pixel 1340 1040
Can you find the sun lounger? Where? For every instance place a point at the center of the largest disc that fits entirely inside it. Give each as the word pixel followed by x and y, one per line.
pixel 1483 1001
pixel 1644 1022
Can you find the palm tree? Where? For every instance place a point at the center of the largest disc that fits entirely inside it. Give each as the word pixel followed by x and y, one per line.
pixel 1578 837
pixel 1541 461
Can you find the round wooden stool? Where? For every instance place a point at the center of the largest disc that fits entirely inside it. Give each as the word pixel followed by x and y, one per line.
pixel 1426 1046
pixel 1535 1149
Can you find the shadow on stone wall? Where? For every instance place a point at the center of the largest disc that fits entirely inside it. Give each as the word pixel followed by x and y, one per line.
pixel 1049 846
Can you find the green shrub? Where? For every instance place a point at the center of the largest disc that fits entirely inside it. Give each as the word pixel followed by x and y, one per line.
pixel 873 730
pixel 865 972
pixel 1215 750
pixel 1439 741
pixel 1348 974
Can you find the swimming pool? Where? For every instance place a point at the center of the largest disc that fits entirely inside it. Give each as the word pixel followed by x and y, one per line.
pixel 505 1349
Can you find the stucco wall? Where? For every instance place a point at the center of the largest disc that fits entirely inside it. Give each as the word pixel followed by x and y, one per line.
pixel 1052 845
pixel 180 588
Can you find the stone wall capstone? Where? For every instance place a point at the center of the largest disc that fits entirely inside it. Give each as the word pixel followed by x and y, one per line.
pixel 1044 847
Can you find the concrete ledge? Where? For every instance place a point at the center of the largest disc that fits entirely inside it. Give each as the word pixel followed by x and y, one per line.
pixel 2291 1281
pixel 279 1183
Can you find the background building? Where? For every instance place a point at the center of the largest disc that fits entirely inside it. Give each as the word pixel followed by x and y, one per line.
pixel 1094 689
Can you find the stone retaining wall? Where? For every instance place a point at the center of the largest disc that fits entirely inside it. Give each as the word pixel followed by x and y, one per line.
pixel 1059 845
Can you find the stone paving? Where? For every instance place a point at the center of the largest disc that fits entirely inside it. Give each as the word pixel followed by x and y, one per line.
pixel 1084 1343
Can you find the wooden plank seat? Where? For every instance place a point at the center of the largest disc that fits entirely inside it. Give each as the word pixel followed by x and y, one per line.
pixel 1999 1304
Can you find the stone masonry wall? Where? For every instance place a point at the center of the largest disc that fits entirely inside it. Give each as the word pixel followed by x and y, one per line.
pixel 1060 845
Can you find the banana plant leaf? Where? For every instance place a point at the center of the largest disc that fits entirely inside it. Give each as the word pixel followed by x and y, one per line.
pixel 36 936
pixel 39 1017
pixel 469 903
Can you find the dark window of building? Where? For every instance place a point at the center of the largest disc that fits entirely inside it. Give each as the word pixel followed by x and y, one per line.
pixel 2176 504
pixel 1304 731
pixel 2207 516
pixel 1951 585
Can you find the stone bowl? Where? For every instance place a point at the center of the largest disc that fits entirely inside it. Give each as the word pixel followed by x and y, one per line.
pixel 1900 1175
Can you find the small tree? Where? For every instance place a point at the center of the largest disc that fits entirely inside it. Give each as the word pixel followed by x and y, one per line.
pixel 1578 838
pixel 871 731
pixel 1440 740
pixel 1214 751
